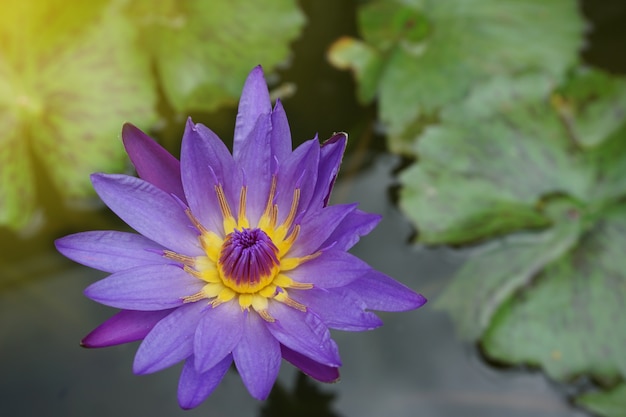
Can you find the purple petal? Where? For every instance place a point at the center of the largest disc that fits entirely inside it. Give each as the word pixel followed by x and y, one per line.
pixel 110 251
pixel 218 333
pixel 149 210
pixel 330 161
pixel 313 369
pixel 330 269
pixel 383 293
pixel 317 226
pixel 255 160
pixel 298 170
pixel 280 136
pixel 304 333
pixel 152 162
pixel 254 101
pixel 353 226
pixel 152 287
pixel 170 341
pixel 195 387
pixel 341 310
pixel 257 357
pixel 124 327
pixel 206 160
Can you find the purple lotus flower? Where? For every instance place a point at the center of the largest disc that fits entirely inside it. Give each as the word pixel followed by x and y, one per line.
pixel 239 257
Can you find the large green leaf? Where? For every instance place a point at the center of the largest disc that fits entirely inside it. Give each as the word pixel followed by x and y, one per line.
pixel 204 50
pixel 485 169
pixel 608 404
pixel 69 78
pixel 571 320
pixel 492 275
pixel 431 52
pixel 591 121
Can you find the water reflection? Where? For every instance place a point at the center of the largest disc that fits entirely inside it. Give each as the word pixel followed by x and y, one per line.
pixel 305 399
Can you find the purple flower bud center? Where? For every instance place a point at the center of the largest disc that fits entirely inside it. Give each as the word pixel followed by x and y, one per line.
pixel 248 260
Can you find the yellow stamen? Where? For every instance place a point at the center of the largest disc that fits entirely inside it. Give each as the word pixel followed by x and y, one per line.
pixel 192 271
pixel 286 244
pixel 208 291
pixel 212 244
pixel 242 221
pixel 294 206
pixel 177 257
pixel 227 215
pixel 259 303
pixel 265 315
pixel 291 263
pixel 224 296
pixel 245 300
pixel 284 281
pixel 268 292
pixel 284 298
pixel 196 223
pixel 282 230
pixel 265 222
pixel 270 197
pixel 272 284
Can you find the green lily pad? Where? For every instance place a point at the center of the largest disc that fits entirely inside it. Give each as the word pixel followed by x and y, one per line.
pixel 492 275
pixel 486 168
pixel 571 320
pixel 204 50
pixel 66 88
pixel 431 52
pixel 608 404
pixel 589 120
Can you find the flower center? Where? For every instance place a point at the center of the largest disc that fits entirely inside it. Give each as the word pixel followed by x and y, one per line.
pixel 249 264
pixel 248 260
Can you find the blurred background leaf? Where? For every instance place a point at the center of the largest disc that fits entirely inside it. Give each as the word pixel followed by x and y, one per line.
pixel 69 77
pixel 493 274
pixel 511 138
pixel 610 403
pixel 204 50
pixel 485 168
pixel 419 56
pixel 571 319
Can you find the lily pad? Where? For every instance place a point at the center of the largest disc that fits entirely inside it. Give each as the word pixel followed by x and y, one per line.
pixel 68 83
pixel 204 50
pixel 589 120
pixel 493 274
pixel 486 168
pixel 422 55
pixel 608 404
pixel 571 320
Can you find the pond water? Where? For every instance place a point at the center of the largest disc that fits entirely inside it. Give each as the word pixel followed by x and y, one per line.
pixel 413 366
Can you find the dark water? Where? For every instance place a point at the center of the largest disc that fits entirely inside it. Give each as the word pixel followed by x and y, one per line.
pixel 412 366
